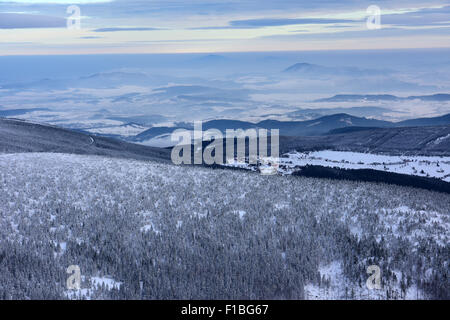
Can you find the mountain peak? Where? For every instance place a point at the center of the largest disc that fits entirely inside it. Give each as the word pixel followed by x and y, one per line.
pixel 301 66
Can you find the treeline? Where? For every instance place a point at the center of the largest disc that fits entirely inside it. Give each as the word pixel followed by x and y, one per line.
pixel 371 175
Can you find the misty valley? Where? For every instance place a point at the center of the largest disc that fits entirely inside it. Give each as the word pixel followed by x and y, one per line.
pixel 344 196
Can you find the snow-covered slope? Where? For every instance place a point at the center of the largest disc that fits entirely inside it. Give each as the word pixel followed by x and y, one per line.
pixel 24 136
pixel 178 228
pixel 435 167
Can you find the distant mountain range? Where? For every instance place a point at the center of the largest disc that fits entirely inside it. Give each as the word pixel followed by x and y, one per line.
pixel 318 70
pixel 436 121
pixel 321 126
pixel 384 97
pixel 96 80
pixel 19 112
pixel 429 141
pixel 365 111
pixel 23 136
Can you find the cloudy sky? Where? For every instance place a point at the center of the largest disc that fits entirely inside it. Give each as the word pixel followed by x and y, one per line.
pixel 171 26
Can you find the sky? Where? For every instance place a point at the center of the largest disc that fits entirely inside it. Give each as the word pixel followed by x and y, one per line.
pixel 40 27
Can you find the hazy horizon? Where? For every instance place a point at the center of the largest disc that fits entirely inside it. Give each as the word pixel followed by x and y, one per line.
pixel 118 26
pixel 101 65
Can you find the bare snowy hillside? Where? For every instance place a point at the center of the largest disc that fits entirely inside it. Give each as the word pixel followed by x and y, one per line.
pixel 156 231
pixel 435 166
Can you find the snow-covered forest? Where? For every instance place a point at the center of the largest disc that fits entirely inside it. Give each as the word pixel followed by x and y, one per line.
pixel 144 230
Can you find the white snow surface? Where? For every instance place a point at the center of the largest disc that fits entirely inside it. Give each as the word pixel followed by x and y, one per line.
pixel 89 285
pixel 424 166
pixel 436 167
pixel 75 178
pixel 127 130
